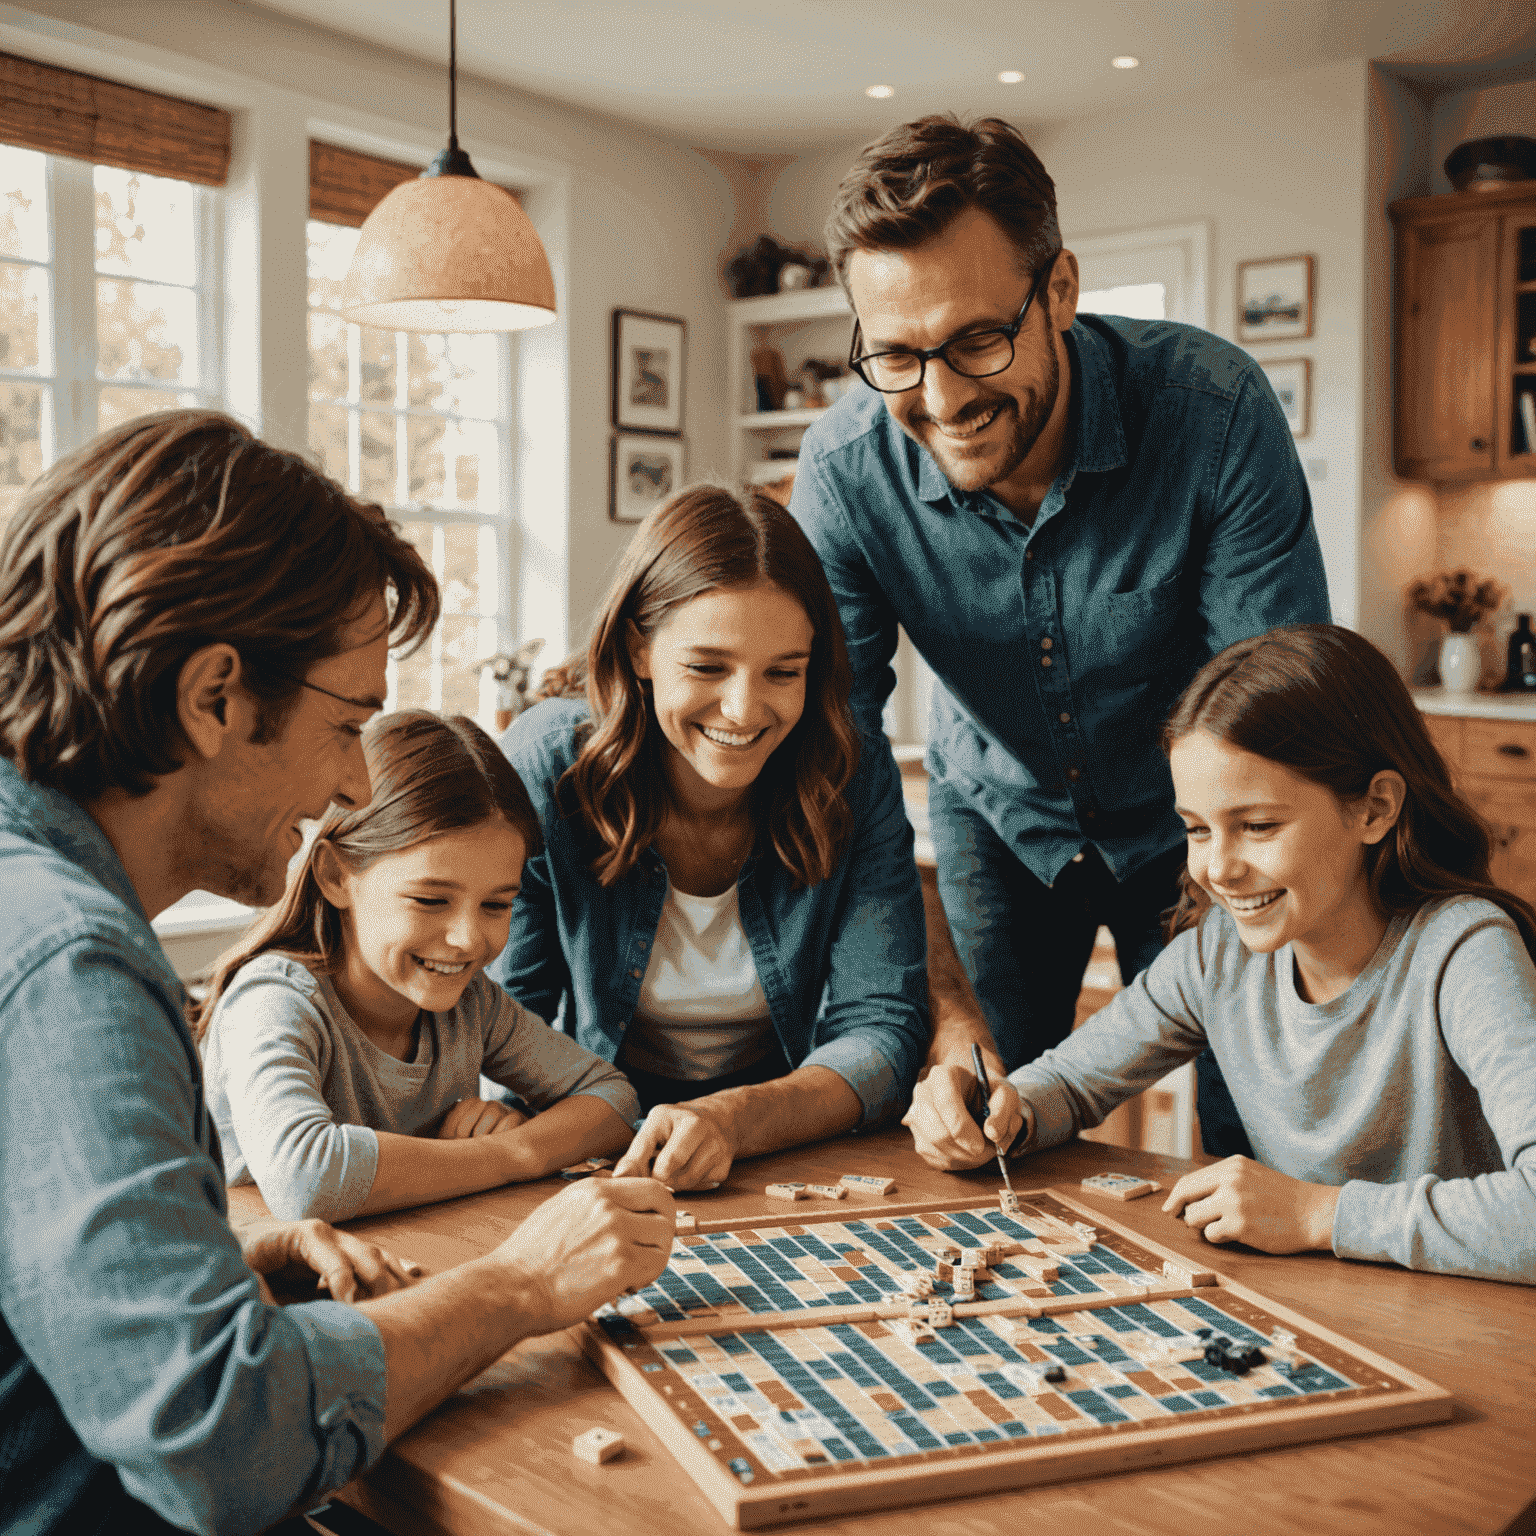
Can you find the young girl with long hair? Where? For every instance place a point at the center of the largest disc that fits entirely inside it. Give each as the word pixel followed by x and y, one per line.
pixel 344 1037
pixel 1369 992
pixel 726 904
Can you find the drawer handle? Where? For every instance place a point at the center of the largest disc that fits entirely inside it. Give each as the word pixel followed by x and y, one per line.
pixel 1512 749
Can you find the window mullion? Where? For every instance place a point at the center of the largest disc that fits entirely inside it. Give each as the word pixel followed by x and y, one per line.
pixel 72 194
pixel 207 237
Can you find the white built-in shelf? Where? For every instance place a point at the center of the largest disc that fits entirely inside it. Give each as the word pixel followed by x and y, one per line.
pixel 786 308
pixel 773 421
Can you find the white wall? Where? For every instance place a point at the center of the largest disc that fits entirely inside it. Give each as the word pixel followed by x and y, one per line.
pixel 630 220
pixel 1479 112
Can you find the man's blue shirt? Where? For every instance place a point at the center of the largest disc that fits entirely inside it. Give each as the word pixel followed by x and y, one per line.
pixel 843 964
pixel 1180 523
pixel 138 1360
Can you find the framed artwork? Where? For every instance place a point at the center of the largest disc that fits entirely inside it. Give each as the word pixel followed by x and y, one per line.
pixel 1274 299
pixel 648 372
pixel 643 472
pixel 1291 379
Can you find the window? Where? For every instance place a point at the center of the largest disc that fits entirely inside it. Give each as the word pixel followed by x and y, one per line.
pixel 419 423
pixel 108 266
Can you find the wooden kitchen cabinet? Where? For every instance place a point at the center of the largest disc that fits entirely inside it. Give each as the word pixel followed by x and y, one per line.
pixel 1465 331
pixel 1494 765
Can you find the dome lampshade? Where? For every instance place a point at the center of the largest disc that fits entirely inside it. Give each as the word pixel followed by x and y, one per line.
pixel 449 253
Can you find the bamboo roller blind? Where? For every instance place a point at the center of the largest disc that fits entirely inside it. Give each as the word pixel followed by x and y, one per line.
pixel 62 112
pixel 345 186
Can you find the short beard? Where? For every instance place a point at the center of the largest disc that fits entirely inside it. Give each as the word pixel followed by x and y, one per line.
pixel 225 862
pixel 1026 429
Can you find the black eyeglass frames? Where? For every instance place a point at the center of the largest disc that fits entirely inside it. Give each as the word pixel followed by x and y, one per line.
pixel 976 355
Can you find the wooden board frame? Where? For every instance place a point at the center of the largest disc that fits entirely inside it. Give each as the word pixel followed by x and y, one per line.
pixel 1395 1399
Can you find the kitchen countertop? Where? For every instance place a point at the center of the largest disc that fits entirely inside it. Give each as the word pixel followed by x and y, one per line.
pixel 1482 706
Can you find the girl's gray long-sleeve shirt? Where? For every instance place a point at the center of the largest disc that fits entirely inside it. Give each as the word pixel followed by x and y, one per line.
pixel 298 1091
pixel 1415 1089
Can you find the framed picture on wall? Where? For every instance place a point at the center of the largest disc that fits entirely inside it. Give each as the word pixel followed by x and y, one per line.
pixel 643 472
pixel 1274 299
pixel 648 372
pixel 1291 379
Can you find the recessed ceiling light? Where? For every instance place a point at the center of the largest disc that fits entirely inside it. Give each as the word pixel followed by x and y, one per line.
pixel 1125 61
pixel 1011 76
pixel 879 92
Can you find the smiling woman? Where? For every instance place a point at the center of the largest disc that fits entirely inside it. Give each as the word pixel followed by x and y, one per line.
pixel 727 903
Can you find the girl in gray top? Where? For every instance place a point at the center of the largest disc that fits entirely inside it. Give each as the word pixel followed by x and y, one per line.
pixel 344 1038
pixel 1369 993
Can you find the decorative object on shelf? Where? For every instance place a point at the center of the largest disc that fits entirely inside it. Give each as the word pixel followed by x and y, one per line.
pixel 447 251
pixel 1461 599
pixel 769 377
pixel 643 472
pixel 511 674
pixel 755 269
pixel 1480 164
pixel 795 275
pixel 1291 380
pixel 1528 417
pixel 648 371
pixel 1274 299
pixel 1520 676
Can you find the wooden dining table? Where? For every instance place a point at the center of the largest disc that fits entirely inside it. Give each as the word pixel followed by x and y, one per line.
pixel 496 1456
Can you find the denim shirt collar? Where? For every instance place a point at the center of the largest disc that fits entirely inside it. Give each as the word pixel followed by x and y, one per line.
pixel 44 815
pixel 1099 445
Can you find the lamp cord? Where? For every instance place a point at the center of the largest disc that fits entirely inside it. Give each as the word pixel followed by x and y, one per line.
pixel 453 75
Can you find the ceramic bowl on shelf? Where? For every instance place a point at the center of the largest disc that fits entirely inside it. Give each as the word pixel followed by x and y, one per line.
pixel 1480 164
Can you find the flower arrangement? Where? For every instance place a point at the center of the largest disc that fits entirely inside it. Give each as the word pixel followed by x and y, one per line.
pixel 1461 598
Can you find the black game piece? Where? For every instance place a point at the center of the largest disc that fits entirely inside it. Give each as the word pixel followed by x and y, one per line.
pixel 1056 1373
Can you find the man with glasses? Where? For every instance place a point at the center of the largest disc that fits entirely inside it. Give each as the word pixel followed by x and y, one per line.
pixel 1067 516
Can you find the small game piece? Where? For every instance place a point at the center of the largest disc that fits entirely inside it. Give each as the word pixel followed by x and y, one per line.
pixel 867 1183
pixel 1185 1274
pixel 974 1258
pixel 1045 1270
pixel 785 1191
pixel 915 1283
pixel 940 1314
pixel 1008 1201
pixel 1055 1373
pixel 598 1445
pixel 827 1191
pixel 687 1222
pixel 964 1285
pixel 1084 1231
pixel 909 1329
pixel 1120 1186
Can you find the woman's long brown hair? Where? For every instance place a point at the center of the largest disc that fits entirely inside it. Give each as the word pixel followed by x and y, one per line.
pixel 1325 703
pixel 430 775
pixel 700 541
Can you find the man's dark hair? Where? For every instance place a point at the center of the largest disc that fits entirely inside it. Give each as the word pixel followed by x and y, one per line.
pixel 912 184
pixel 169 533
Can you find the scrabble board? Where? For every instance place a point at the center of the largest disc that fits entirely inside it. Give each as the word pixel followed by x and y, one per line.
pixel 765 1359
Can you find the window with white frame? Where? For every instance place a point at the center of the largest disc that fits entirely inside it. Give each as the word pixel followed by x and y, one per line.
pixel 420 424
pixel 108 304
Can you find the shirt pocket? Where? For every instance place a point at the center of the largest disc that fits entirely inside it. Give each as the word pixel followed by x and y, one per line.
pixel 1140 633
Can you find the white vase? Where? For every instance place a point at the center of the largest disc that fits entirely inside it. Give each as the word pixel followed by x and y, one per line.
pixel 1461 663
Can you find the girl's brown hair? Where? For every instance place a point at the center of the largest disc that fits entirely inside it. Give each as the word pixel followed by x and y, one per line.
pixel 430 776
pixel 701 540
pixel 1325 703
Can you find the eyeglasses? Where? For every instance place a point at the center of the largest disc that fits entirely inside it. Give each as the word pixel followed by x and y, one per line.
pixel 976 355
pixel 341 698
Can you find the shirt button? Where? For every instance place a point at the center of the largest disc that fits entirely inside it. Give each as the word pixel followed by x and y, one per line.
pixel 1045 661
pixel 1077 858
pixel 1029 554
pixel 636 972
pixel 1065 718
pixel 1074 774
pixel 1047 643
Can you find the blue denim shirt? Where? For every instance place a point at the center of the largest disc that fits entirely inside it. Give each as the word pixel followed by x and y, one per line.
pixel 843 964
pixel 138 1360
pixel 1180 523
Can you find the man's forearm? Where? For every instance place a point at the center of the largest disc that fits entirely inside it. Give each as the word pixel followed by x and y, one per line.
pixel 956 1014
pixel 446 1330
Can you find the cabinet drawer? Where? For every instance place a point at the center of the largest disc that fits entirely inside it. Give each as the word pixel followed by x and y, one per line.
pixel 1510 811
pixel 1501 749
pixel 1445 732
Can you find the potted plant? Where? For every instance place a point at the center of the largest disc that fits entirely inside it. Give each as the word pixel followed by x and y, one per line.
pixel 1462 600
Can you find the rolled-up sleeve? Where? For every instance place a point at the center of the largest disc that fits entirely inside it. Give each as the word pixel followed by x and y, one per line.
pixel 123 1283
pixel 873 1029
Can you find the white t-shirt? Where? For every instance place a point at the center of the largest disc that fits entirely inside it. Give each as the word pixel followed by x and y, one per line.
pixel 702 1012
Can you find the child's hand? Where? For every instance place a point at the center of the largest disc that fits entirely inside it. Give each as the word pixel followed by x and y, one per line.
pixel 478 1117
pixel 691 1148
pixel 1241 1201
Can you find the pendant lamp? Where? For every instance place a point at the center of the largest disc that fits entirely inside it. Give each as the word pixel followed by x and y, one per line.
pixel 449 252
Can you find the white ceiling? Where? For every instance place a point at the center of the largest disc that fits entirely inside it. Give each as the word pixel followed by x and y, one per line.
pixel 789 74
